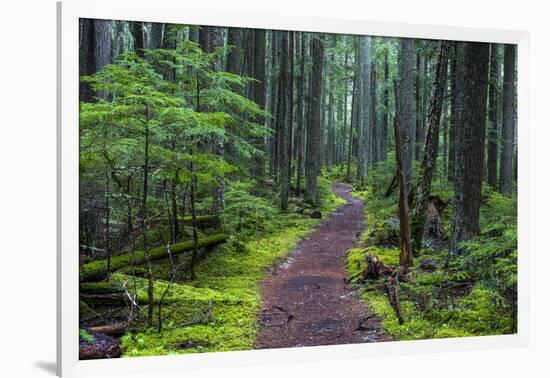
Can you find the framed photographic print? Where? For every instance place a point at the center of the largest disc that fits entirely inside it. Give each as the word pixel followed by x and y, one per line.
pixel 239 187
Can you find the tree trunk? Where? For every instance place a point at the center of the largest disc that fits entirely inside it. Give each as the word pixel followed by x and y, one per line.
pixel 492 132
pixel 407 123
pixel 473 58
pixel 455 113
pixel 194 221
pixel 234 41
pixel 194 33
pixel 351 124
pixel 259 94
pixel 508 118
pixel 405 253
pixel 145 224
pixel 204 38
pixel 274 147
pixel 87 62
pixel 363 108
pixel 155 42
pixel 103 48
pixel 314 124
pixel 386 115
pixel 331 131
pixel 137 34
pixel 290 102
pixel 300 127
pixel 282 127
pixel 424 185
pixel 374 133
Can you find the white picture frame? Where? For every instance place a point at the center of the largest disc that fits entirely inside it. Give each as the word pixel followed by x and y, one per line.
pixel 168 11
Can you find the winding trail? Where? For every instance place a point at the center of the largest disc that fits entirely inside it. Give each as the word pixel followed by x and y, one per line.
pixel 306 300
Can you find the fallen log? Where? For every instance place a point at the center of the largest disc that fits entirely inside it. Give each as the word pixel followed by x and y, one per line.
pixel 116 329
pixel 202 220
pixel 97 270
pixel 100 288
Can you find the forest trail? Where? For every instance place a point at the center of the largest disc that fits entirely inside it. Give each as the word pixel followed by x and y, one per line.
pixel 306 300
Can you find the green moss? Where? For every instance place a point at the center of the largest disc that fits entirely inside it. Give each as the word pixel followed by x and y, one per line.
pixel 97 269
pixel 355 262
pixel 387 256
pixel 222 303
pixel 356 259
pixel 84 335
pixel 432 307
pixel 100 287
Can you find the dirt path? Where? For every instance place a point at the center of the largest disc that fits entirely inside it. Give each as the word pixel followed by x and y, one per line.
pixel 306 300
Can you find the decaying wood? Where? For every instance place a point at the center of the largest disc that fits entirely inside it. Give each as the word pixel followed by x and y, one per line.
pixel 433 227
pixel 115 329
pixel 100 288
pixel 392 289
pixel 98 269
pixel 424 186
pixel 202 220
pixel 375 268
pixel 103 346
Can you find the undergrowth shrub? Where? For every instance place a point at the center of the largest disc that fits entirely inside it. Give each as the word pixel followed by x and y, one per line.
pixel 246 213
pixel 471 294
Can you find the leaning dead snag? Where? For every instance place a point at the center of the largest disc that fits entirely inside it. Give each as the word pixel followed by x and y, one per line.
pixel 405 256
pixel 424 185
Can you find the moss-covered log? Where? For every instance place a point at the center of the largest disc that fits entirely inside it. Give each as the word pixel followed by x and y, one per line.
pixel 100 288
pixel 96 270
pixel 202 220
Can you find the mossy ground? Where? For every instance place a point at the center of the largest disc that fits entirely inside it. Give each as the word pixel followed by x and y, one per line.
pixel 471 294
pixel 217 311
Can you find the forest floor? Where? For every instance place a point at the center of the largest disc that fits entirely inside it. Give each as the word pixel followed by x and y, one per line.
pixel 306 300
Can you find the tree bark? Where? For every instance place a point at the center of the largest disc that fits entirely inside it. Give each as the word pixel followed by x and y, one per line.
pixel 407 123
pixel 234 41
pixel 274 146
pixel 455 113
pixel 137 34
pixel 204 38
pixel 492 132
pixel 508 118
pixel 282 127
pixel 386 115
pixel 363 108
pixel 330 124
pixel 473 57
pixel 314 124
pixel 155 42
pixel 259 94
pixel 87 58
pixel 405 253
pixel 300 127
pixel 431 146
pixel 374 133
